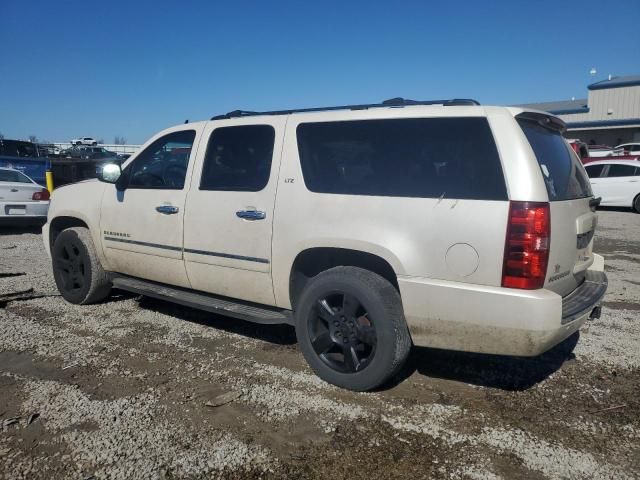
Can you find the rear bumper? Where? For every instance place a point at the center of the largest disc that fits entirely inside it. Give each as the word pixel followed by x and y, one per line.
pixel 17 210
pixel 476 318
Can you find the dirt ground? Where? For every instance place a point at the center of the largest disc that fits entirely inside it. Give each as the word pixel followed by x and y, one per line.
pixel 120 390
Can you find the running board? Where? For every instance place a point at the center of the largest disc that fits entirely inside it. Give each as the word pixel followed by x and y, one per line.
pixel 204 301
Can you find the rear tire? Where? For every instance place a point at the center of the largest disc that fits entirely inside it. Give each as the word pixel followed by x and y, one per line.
pixel 636 204
pixel 76 269
pixel 351 328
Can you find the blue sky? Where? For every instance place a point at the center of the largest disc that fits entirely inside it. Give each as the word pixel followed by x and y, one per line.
pixel 102 69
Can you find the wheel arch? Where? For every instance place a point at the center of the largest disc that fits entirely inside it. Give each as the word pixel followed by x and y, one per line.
pixel 314 260
pixel 60 223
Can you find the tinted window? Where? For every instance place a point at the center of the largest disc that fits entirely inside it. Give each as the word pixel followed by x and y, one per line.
pixel 429 158
pixel 617 170
pixel 563 174
pixel 163 164
pixel 238 158
pixel 594 171
pixel 13 176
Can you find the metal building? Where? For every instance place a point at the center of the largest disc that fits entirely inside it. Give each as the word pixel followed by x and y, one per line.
pixel 610 115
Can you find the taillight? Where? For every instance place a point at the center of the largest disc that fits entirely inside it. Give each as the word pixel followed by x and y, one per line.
pixel 41 195
pixel 526 250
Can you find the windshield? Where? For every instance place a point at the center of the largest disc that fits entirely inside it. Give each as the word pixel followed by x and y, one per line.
pixel 563 174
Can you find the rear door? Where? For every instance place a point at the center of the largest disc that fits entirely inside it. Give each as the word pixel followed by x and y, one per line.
pixel 229 213
pixel 573 221
pixel 619 185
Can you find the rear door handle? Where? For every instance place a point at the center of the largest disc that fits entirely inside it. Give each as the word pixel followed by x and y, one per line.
pixel 167 209
pixel 251 214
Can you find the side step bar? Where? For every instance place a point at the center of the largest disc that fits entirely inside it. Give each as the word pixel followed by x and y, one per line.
pixel 204 301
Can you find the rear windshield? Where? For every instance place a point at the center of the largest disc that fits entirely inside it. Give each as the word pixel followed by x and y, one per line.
pixel 563 174
pixel 13 176
pixel 425 157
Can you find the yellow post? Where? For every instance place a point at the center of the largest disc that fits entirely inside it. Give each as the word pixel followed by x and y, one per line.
pixel 48 175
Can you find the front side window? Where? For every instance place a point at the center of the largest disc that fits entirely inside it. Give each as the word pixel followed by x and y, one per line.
pixel 163 164
pixel 238 158
pixel 618 170
pixel 421 157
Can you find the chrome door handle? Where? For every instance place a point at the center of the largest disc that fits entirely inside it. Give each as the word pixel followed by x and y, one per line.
pixel 167 209
pixel 251 214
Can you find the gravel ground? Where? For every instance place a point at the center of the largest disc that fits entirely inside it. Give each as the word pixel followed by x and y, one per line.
pixel 120 390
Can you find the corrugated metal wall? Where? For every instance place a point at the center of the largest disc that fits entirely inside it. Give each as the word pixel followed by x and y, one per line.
pixel 624 103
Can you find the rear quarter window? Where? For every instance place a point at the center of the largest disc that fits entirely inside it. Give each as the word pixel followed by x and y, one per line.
pixel 425 158
pixel 562 172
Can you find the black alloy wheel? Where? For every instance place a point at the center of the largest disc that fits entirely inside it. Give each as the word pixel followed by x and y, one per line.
pixel 71 267
pixel 342 332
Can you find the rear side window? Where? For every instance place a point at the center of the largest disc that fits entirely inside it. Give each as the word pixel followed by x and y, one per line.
pixel 594 171
pixel 563 174
pixel 617 170
pixel 238 158
pixel 427 158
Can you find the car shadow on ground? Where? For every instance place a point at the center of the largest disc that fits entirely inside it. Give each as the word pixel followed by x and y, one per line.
pixel 277 334
pixel 494 371
pixel 21 228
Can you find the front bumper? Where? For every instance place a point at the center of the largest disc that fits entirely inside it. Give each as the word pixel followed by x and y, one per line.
pixel 476 318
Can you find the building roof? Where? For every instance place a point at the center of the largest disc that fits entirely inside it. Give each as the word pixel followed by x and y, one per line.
pixel 616 82
pixel 561 107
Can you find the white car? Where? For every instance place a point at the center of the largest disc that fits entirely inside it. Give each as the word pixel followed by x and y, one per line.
pixel 370 228
pixel 616 181
pixel 632 148
pixel 84 141
pixel 21 198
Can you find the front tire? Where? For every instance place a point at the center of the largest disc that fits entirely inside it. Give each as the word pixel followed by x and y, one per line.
pixel 76 269
pixel 351 328
pixel 636 204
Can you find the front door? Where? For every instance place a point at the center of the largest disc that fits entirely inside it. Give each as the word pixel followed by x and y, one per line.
pixel 142 215
pixel 229 211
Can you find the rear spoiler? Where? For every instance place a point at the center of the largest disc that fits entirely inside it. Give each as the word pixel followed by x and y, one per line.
pixel 547 121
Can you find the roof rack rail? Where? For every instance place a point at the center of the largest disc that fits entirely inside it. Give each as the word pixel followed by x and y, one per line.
pixel 392 102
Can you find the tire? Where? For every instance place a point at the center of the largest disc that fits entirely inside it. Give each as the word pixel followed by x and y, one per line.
pixel 374 332
pixel 76 269
pixel 636 204
pixel 78 143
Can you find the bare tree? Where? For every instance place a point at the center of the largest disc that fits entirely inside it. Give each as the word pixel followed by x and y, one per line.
pixel 100 140
pixel 1 136
pixel 119 140
pixel 33 139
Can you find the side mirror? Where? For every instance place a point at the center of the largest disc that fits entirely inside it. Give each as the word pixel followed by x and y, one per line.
pixel 109 172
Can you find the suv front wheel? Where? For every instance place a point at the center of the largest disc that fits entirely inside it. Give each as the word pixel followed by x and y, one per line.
pixel 351 328
pixel 76 268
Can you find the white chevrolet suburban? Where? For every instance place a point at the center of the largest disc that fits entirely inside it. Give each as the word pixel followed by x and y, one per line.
pixel 369 228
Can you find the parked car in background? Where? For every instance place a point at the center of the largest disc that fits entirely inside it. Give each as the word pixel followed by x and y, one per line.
pixel 18 148
pixel 584 152
pixel 580 148
pixel 369 228
pixel 616 181
pixel 21 198
pixel 84 141
pixel 630 148
pixel 599 151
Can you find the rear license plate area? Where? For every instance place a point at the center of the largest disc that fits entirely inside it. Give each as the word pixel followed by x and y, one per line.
pixel 15 210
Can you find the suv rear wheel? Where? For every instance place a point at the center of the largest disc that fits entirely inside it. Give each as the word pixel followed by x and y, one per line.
pixel 76 268
pixel 351 328
pixel 636 204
